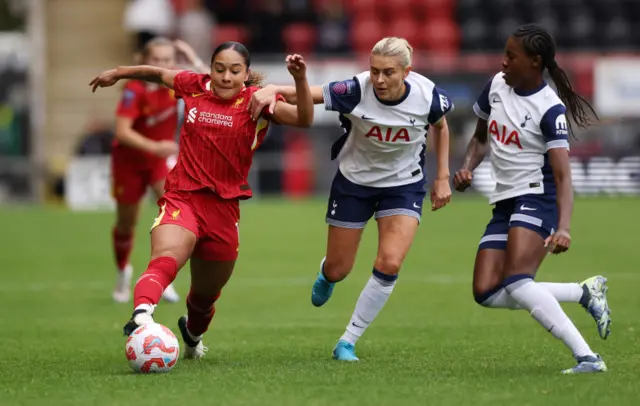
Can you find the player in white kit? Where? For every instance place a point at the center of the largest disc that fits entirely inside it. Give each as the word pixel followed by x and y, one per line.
pixel 522 120
pixel 386 113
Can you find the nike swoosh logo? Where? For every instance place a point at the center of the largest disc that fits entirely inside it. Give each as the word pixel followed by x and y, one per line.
pixel 416 206
pixel 523 207
pixel 366 118
pixel 197 94
pixel 355 325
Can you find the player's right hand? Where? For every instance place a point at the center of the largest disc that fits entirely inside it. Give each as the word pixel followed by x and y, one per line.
pixel 261 99
pixel 105 79
pixel 296 66
pixel 165 148
pixel 462 180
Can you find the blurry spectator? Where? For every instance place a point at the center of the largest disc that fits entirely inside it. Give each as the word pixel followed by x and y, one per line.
pixel 333 28
pixel 96 138
pixel 194 26
pixel 148 19
pixel 266 27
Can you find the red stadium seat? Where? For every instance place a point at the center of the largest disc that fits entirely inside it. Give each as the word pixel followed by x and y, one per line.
pixel 365 33
pixel 300 38
pixel 355 7
pixel 436 9
pixel 406 28
pixel 440 35
pixel 179 6
pixel 229 32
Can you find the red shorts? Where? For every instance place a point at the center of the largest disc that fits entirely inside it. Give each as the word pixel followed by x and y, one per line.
pixel 213 220
pixel 131 180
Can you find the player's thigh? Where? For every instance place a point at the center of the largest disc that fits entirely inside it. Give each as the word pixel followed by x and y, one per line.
pixel 219 228
pixel 128 184
pixel 398 214
pixel 489 262
pixel 209 277
pixel 349 208
pixel 126 217
pixel 175 231
pixel 395 236
pixel 534 218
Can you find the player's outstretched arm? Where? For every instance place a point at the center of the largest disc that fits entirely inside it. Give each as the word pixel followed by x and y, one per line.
pixel 561 239
pixel 267 97
pixel 441 191
pixel 476 151
pixel 141 72
pixel 300 115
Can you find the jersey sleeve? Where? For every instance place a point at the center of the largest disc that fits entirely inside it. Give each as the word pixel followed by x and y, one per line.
pixel 186 83
pixel 554 127
pixel 130 105
pixel 482 108
pixel 342 96
pixel 440 105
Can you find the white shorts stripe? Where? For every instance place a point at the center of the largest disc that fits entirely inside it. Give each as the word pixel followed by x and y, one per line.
pixel 493 237
pixel 345 224
pixel 526 219
pixel 397 212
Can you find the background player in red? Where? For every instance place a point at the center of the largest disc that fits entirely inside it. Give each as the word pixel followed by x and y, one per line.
pixel 146 124
pixel 200 210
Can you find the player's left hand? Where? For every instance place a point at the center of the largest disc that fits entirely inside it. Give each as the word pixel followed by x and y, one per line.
pixel 558 242
pixel 296 66
pixel 440 194
pixel 261 99
pixel 105 79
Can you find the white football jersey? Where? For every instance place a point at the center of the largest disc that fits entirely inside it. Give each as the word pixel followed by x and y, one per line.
pixel 521 129
pixel 384 142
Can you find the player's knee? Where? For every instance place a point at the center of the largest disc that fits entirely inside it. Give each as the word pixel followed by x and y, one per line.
pixel 388 264
pixel 336 269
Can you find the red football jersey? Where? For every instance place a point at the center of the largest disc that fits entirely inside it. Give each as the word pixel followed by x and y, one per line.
pixel 217 140
pixel 153 109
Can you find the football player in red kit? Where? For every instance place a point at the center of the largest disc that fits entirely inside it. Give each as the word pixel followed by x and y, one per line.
pixel 146 124
pixel 199 212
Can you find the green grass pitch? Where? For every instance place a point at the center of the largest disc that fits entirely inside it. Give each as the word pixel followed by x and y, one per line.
pixel 62 337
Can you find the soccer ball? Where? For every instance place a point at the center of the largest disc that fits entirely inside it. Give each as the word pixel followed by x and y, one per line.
pixel 152 348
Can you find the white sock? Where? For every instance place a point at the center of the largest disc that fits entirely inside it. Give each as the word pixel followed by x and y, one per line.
pixel 546 310
pixel 372 299
pixel 563 292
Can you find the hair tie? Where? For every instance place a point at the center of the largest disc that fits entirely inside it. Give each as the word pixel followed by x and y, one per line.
pixel 552 65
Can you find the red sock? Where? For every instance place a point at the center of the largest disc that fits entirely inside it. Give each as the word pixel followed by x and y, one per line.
pixel 122 244
pixel 159 274
pixel 200 311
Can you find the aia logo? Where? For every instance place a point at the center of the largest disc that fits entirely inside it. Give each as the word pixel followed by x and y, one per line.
pixel 503 135
pixel 390 135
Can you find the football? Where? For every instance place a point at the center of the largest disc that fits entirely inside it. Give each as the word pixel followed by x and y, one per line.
pixel 152 348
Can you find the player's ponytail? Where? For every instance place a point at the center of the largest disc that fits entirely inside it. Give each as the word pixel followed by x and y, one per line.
pixel 255 78
pixel 394 46
pixel 575 103
pixel 536 41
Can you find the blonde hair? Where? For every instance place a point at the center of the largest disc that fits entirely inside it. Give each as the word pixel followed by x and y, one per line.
pixel 394 46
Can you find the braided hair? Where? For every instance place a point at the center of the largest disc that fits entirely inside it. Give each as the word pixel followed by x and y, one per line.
pixel 536 41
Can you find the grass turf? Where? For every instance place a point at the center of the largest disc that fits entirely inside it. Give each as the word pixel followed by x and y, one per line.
pixel 63 343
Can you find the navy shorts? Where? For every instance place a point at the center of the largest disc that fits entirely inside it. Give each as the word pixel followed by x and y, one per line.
pixel 352 205
pixel 535 212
